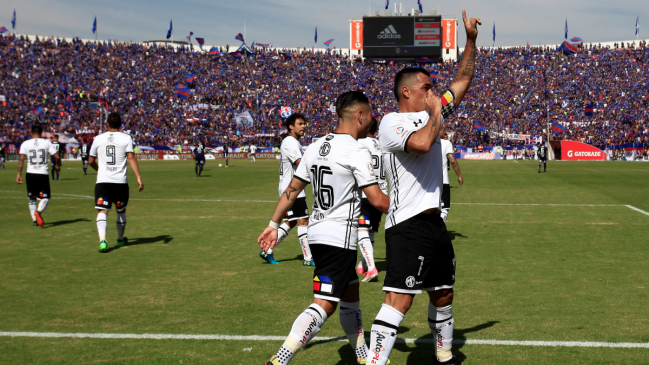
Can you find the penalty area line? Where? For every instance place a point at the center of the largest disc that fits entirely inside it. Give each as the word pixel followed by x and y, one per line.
pixel 636 209
pixel 161 336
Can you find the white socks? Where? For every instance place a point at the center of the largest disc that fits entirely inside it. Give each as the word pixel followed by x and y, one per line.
pixel 367 248
pixel 32 209
pixel 351 319
pixel 384 334
pixel 121 225
pixel 282 232
pixel 305 327
pixel 43 205
pixel 304 242
pixel 101 226
pixel 444 214
pixel 440 321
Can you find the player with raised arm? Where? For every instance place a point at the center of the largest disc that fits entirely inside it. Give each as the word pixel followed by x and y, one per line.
pixel 36 152
pixel 84 151
pixel 370 218
pixel 113 149
pixel 291 155
pixel 339 167
pixel 419 251
pixel 448 160
pixel 542 152
pixel 199 159
pixel 60 149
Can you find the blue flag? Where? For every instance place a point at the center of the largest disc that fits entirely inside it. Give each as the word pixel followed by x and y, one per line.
pixel 94 25
pixel 13 20
pixel 316 34
pixel 387 3
pixel 566 28
pixel 421 8
pixel 494 33
pixel 171 28
pixel 637 24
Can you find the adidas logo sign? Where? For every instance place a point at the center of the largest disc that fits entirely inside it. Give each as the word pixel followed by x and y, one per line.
pixel 389 33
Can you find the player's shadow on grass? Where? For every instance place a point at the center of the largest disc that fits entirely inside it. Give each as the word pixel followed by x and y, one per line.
pixel 424 349
pixel 142 241
pixel 60 223
pixel 454 234
pixel 296 258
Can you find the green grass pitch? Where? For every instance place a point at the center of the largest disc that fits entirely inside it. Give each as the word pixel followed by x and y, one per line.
pixel 565 272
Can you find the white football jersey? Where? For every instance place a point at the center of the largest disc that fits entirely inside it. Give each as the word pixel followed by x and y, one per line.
pixel 377 161
pixel 37 152
pixel 290 151
pixel 253 149
pixel 447 147
pixel 111 148
pixel 415 181
pixel 338 166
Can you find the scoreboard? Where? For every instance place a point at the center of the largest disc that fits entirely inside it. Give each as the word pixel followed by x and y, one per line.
pixel 400 37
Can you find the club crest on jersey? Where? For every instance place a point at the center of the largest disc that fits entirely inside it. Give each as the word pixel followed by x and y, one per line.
pixel 401 131
pixel 323 284
pixel 364 220
pixel 370 167
pixel 376 145
pixel 329 137
pixel 325 149
pixel 111 138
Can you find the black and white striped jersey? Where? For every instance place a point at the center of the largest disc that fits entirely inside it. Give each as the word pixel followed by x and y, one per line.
pixel 338 167
pixel 415 181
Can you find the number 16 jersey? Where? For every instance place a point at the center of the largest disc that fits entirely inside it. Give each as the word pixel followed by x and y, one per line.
pixel 111 148
pixel 338 166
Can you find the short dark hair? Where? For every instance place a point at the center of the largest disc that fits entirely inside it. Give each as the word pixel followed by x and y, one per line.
pixel 292 118
pixel 374 126
pixel 56 135
pixel 349 99
pixel 37 129
pixel 405 75
pixel 114 120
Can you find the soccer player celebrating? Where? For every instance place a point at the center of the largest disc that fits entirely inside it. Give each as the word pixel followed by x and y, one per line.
pixel 60 149
pixel 36 151
pixel 542 152
pixel 113 149
pixel 448 160
pixel 370 218
pixel 419 251
pixel 339 167
pixel 291 155
pixel 199 158
pixel 85 155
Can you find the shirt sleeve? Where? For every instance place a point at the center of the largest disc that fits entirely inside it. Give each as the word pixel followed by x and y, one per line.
pixel 22 149
pixel 129 145
pixel 302 172
pixel 398 129
pixel 362 167
pixel 52 149
pixel 292 151
pixel 93 149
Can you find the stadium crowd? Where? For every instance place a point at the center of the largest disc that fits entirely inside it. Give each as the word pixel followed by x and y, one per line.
pixel 510 92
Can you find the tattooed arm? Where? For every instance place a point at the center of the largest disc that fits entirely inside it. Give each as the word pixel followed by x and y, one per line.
pixel 269 237
pixel 21 163
pixel 466 69
pixel 456 168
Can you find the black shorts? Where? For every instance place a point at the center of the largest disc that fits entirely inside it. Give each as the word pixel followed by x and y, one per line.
pixel 199 160
pixel 370 216
pixel 419 255
pixel 38 186
pixel 544 160
pixel 84 160
pixel 299 210
pixel 108 193
pixel 446 196
pixel 334 271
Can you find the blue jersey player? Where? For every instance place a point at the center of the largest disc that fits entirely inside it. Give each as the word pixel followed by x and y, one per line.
pixel 84 151
pixel 60 148
pixel 542 152
pixel 199 159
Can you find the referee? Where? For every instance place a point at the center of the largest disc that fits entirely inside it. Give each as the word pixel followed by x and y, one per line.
pixel 419 251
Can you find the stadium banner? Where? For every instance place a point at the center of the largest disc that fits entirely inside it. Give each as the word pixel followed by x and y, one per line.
pixel 356 32
pixel 448 34
pixel 208 156
pixel 479 156
pixel 147 156
pixel 516 137
pixel 577 151
pixel 244 119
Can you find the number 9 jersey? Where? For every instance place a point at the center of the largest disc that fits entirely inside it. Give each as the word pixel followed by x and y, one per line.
pixel 110 149
pixel 338 166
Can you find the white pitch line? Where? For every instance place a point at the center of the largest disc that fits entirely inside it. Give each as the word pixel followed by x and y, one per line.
pixel 162 336
pixel 637 210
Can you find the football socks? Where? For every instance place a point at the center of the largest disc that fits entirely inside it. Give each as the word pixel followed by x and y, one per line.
pixel 440 321
pixel 367 249
pixel 101 226
pixel 32 209
pixel 121 225
pixel 351 319
pixel 282 232
pixel 85 169
pixel 305 327
pixel 43 205
pixel 304 242
pixel 444 214
pixel 384 334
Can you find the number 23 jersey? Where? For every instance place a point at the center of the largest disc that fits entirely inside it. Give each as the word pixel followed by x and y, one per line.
pixel 111 148
pixel 338 167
